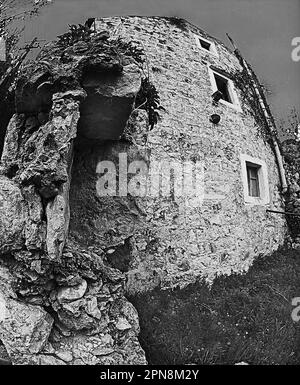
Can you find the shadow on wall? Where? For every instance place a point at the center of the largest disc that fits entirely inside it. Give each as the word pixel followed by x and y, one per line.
pixel 105 223
pixel 103 113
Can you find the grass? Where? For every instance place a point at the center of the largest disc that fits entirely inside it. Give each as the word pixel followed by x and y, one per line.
pixel 240 318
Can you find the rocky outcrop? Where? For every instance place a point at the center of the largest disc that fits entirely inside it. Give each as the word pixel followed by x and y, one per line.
pixel 13 216
pixel 24 329
pixel 91 322
pixel 59 302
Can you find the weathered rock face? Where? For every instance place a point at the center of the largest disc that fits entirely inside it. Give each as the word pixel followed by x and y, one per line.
pixel 93 323
pixel 75 107
pixel 24 328
pixel 13 216
pixel 59 303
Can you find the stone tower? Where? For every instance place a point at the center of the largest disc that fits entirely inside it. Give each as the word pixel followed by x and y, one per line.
pixel 71 246
pixel 167 241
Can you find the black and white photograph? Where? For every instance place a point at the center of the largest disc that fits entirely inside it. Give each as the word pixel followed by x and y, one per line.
pixel 149 187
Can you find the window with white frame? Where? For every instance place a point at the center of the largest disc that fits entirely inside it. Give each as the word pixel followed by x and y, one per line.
pixel 255 180
pixel 225 86
pixel 206 45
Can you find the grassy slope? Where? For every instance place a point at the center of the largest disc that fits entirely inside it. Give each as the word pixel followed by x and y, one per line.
pixel 242 318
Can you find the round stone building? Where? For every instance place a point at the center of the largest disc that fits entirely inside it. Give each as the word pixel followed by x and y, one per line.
pixel 141 155
pixel 172 240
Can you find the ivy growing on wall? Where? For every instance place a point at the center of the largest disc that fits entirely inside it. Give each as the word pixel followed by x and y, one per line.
pixel 149 100
pixel 131 49
pixel 244 82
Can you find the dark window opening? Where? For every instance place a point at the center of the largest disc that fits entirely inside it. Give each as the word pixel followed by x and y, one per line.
pixel 223 87
pixel 253 179
pixel 205 44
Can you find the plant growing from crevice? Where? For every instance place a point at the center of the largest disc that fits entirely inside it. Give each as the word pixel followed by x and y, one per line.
pixel 16 55
pixel 75 34
pixel 129 48
pixel 148 99
pixel 178 22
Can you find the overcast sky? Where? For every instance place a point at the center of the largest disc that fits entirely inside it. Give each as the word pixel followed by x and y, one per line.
pixel 263 30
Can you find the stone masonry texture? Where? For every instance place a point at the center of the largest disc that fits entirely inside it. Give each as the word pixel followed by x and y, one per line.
pixel 69 256
pixel 172 242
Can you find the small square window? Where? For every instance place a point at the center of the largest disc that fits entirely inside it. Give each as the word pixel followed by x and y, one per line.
pixel 223 87
pixel 253 179
pixel 205 44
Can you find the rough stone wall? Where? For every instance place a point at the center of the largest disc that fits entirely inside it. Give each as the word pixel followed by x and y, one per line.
pixel 171 242
pixel 59 303
pixel 76 107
